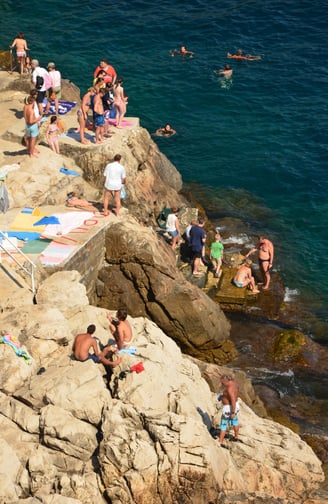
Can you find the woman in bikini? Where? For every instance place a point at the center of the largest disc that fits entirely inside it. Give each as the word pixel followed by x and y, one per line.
pixel 82 113
pixel 21 48
pixel 119 102
pixel 244 277
pixel 52 134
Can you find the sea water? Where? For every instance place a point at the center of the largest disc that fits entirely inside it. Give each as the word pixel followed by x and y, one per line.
pixel 254 148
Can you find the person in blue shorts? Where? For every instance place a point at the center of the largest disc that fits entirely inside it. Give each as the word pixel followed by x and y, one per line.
pixel 197 243
pixel 85 342
pixel 230 407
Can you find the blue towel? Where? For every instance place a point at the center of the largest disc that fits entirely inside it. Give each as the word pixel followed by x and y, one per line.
pixel 27 210
pixel 130 350
pixel 47 220
pixel 69 172
pixel 23 235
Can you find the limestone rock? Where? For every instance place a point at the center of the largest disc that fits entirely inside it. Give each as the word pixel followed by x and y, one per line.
pixel 141 275
pixel 63 290
pixel 61 431
pixel 10 469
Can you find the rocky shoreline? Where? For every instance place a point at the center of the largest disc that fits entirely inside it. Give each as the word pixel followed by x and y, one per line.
pixel 72 435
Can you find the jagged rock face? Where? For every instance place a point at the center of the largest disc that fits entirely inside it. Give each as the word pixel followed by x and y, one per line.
pixel 70 436
pixel 141 275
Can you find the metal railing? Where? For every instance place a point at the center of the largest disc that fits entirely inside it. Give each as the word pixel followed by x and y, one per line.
pixel 29 272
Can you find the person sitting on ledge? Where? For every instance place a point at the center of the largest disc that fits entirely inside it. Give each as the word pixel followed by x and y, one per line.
pixel 183 51
pixel 240 56
pixel 120 329
pixel 166 131
pixel 244 277
pixel 82 345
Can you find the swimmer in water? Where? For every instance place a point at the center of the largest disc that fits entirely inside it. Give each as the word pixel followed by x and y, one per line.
pixel 166 131
pixel 183 51
pixel 240 56
pixel 226 72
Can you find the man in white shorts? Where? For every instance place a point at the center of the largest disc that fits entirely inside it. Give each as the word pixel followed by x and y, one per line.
pixel 115 178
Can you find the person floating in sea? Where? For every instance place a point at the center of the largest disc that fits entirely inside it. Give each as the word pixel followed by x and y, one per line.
pixel 183 51
pixel 225 72
pixel 241 56
pixel 244 277
pixel 21 47
pixel 166 131
pixel 230 407
pixel 265 249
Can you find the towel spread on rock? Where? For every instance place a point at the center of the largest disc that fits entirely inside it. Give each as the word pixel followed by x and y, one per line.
pixel 63 106
pixel 129 350
pixel 23 235
pixel 67 222
pixel 10 340
pixel 56 253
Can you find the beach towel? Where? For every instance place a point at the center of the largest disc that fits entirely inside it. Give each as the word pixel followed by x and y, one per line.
pixel 129 350
pixel 56 253
pixel 69 172
pixel 7 339
pixel 32 211
pixel 63 106
pixel 23 235
pixel 67 222
pixel 36 246
pixel 123 123
pixel 47 220
pixel 4 170
pixel 25 222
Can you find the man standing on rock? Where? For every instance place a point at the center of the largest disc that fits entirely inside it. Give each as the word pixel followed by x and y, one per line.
pixel 115 178
pixel 230 407
pixel 266 254
pixel 197 242
pixel 39 76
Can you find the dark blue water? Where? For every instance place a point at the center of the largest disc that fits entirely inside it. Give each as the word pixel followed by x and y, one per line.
pixel 256 151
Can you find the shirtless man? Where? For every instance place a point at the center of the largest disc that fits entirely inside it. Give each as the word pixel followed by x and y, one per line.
pixel 226 72
pixel 244 277
pixel 83 343
pixel 230 407
pixel 32 126
pixel 98 114
pixel 167 131
pixel 240 56
pixel 120 329
pixel 266 254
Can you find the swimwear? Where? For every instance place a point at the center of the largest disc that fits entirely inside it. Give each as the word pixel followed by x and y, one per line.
pixel 92 357
pixel 226 419
pixel 173 233
pixel 32 130
pixel 99 119
pixel 20 54
pixel 238 284
pixel 263 260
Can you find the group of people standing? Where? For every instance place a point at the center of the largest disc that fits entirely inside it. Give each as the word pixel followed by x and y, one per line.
pixel 106 99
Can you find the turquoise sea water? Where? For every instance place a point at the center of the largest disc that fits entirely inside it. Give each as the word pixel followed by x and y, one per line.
pixel 256 150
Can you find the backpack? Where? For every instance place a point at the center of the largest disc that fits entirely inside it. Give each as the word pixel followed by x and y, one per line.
pixel 39 82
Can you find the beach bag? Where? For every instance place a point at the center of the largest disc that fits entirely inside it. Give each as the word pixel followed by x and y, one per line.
pixel 39 82
pixel 47 81
pixel 123 192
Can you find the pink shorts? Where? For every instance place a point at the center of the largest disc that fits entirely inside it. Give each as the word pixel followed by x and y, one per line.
pixel 21 54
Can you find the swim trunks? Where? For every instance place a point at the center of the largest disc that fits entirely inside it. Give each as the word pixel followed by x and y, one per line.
pixel 226 420
pixel 263 260
pixel 92 357
pixel 32 130
pixel 238 284
pixel 99 119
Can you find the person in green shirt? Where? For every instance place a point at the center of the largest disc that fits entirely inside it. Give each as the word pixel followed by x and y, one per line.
pixel 217 254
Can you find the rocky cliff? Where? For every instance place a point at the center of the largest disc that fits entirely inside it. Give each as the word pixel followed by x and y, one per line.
pixel 71 433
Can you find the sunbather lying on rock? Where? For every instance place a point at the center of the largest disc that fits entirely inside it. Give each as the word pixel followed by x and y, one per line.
pixel 73 201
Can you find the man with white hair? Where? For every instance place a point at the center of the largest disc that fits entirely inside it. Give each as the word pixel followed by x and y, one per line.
pixel 39 76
